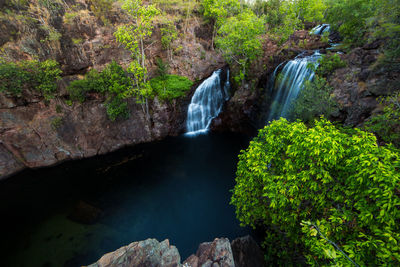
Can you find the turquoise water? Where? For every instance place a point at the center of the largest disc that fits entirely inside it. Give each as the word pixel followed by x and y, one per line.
pixel 176 189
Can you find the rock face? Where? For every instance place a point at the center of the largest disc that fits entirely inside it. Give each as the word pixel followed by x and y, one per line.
pixel 242 252
pixel 357 86
pixel 41 134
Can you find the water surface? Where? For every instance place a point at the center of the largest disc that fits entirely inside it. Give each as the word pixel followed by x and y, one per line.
pixel 176 189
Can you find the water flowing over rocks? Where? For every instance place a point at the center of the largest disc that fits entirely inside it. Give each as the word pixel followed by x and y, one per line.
pixel 241 252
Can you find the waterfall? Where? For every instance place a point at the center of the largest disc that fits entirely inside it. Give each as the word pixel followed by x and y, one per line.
pixel 288 83
pixel 321 29
pixel 207 103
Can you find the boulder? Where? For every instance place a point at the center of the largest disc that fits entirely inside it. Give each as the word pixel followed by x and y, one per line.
pixel 246 252
pixel 147 253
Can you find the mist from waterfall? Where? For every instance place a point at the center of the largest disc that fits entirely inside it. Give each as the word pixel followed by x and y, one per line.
pixel 207 103
pixel 287 84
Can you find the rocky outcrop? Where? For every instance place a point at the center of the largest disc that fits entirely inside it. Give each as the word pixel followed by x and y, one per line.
pixel 147 253
pixel 242 252
pixel 357 86
pixel 43 134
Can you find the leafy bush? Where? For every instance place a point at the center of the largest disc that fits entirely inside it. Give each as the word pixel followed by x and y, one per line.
pixel 238 39
pixel 313 101
pixel 327 64
pixel 168 34
pixel 301 183
pixel 169 87
pixel 30 75
pixel 117 108
pixel 387 124
pixel 113 81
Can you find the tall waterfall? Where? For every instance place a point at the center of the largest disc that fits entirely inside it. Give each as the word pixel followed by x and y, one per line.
pixel 288 83
pixel 207 103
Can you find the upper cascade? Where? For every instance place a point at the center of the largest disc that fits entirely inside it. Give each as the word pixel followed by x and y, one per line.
pixel 207 103
pixel 321 29
pixel 289 82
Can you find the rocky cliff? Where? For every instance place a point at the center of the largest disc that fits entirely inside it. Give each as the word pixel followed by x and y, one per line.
pixel 35 132
pixel 241 252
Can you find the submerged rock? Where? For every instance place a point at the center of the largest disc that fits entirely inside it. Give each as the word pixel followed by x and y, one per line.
pixel 85 213
pixel 241 252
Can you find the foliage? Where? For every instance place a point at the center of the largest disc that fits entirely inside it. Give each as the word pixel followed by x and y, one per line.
pixel 162 68
pixel 387 124
pixel 220 10
pixel 352 20
pixel 239 39
pixel 327 64
pixel 168 34
pixel 31 74
pixel 113 81
pixel 117 108
pixel 171 86
pixel 337 179
pixel 363 21
pixel 313 101
pixel 133 36
pixel 284 17
pixel 70 16
pixel 101 8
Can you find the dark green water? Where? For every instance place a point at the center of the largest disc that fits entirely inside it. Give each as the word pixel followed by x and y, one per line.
pixel 176 189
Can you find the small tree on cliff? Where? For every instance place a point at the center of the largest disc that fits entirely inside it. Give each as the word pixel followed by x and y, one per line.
pixel 133 36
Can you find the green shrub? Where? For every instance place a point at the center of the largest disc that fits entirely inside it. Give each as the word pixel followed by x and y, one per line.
pixel 113 81
pixel 387 124
pixel 171 86
pixel 168 34
pixel 315 100
pixel 30 75
pixel 301 182
pixel 117 108
pixel 327 64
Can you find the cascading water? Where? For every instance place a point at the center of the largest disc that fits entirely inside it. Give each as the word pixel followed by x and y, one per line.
pixel 288 83
pixel 207 103
pixel 321 29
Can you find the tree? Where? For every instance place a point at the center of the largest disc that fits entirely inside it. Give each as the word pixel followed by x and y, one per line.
pixel 318 186
pixel 238 39
pixel 133 36
pixel 218 11
pixel 168 35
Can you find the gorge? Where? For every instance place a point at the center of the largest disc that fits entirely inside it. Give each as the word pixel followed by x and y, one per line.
pixel 190 133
